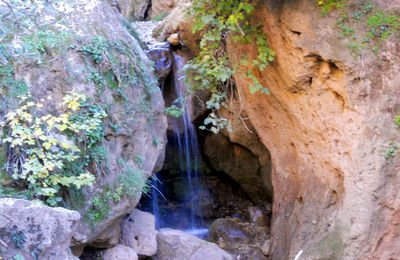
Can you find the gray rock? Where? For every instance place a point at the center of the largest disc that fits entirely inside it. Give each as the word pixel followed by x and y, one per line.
pixel 228 234
pixel 266 247
pixel 135 126
pixel 35 231
pixel 256 216
pixel 177 245
pixel 120 252
pixel 134 9
pixel 161 56
pixel 139 232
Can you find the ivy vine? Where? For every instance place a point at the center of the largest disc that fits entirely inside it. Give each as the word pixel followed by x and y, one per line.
pixel 218 22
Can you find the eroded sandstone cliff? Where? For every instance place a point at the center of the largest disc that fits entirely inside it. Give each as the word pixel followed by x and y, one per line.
pixel 327 124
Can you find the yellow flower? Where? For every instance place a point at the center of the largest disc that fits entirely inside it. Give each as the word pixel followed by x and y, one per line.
pixel 38 132
pixel 65 145
pixel 74 105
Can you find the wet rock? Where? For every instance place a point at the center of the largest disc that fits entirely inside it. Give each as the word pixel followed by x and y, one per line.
pixel 228 233
pixel 160 54
pixel 177 245
pixel 139 233
pixel 120 252
pixel 35 231
pixel 266 247
pixel 206 204
pixel 256 216
pixel 244 240
pixel 173 39
pixel 145 31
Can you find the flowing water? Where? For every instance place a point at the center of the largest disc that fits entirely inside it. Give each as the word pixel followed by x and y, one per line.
pixel 185 140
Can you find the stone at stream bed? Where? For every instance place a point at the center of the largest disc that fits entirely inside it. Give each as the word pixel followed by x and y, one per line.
pixel 244 240
pixel 31 230
pixel 139 232
pixel 228 233
pixel 120 252
pixel 177 245
pixel 173 39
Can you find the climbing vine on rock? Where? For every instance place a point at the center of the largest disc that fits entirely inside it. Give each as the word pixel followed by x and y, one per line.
pixel 363 24
pixel 217 22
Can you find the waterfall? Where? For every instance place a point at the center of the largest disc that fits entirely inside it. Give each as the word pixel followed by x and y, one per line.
pixel 186 140
pixel 183 139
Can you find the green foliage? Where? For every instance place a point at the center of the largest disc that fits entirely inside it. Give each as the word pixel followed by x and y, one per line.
pixel 213 122
pixel 392 151
pixel 101 207
pixel 41 146
pixel 397 120
pixel 382 25
pixel 18 238
pixel 18 257
pixel 139 160
pixel 176 109
pixel 377 25
pixel 329 5
pixel 96 49
pixel 46 41
pixel 130 183
pixel 394 147
pixel 218 20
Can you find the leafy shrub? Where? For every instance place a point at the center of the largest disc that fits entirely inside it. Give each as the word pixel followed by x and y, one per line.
pixel 217 21
pixel 40 147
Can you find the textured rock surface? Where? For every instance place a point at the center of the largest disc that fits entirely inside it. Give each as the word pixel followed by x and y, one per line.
pixel 35 231
pixel 135 109
pixel 120 252
pixel 135 9
pixel 326 124
pixel 160 8
pixel 139 232
pixel 244 240
pixel 177 245
pixel 240 164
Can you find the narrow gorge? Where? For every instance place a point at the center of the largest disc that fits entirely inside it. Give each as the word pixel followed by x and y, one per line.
pixel 199 129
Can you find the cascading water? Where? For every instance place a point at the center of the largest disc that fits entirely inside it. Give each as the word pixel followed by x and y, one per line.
pixel 188 148
pixel 189 157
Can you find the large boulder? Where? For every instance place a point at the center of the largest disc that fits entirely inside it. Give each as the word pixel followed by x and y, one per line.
pixel 31 230
pixel 177 245
pixel 139 232
pixel 119 252
pixel 88 49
